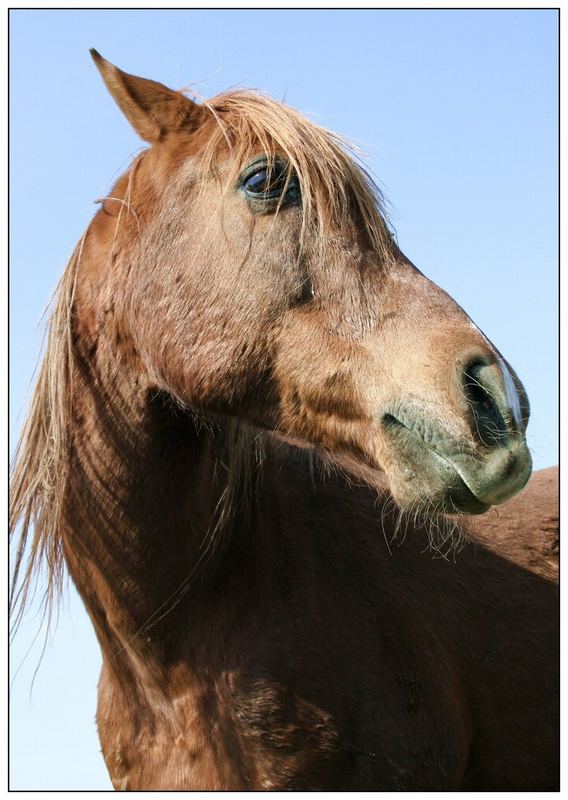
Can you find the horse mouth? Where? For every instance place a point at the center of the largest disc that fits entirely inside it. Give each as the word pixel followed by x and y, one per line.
pixel 460 498
pixel 436 475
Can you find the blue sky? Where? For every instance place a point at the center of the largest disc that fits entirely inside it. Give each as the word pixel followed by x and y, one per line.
pixel 457 112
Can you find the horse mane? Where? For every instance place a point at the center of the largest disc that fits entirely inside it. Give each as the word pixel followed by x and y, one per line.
pixel 333 183
pixel 40 465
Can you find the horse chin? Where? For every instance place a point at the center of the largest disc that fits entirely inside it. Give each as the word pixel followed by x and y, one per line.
pixel 432 488
pixel 435 491
pixel 419 479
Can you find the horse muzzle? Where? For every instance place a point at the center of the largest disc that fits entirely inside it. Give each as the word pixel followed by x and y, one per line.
pixel 455 476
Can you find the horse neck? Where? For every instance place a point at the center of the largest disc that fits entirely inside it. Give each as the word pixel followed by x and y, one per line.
pixel 142 492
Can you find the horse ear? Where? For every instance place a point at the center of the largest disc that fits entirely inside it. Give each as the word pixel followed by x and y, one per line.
pixel 152 109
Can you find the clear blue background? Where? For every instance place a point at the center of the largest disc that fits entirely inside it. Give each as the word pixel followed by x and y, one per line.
pixel 457 111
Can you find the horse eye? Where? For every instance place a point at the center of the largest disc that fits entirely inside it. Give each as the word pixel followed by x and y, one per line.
pixel 262 182
pixel 268 182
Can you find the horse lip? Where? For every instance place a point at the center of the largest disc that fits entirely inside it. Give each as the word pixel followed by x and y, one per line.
pixel 482 503
pixel 519 471
pixel 391 421
pixel 513 477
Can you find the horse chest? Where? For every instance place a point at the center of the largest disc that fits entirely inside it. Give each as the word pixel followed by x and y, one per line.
pixel 369 742
pixel 258 734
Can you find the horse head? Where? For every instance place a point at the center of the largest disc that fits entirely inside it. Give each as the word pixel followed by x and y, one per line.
pixel 252 274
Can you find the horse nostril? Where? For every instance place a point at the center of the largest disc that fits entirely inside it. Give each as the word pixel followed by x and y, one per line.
pixel 483 391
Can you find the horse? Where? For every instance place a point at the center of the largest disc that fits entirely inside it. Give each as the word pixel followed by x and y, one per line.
pixel 262 444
